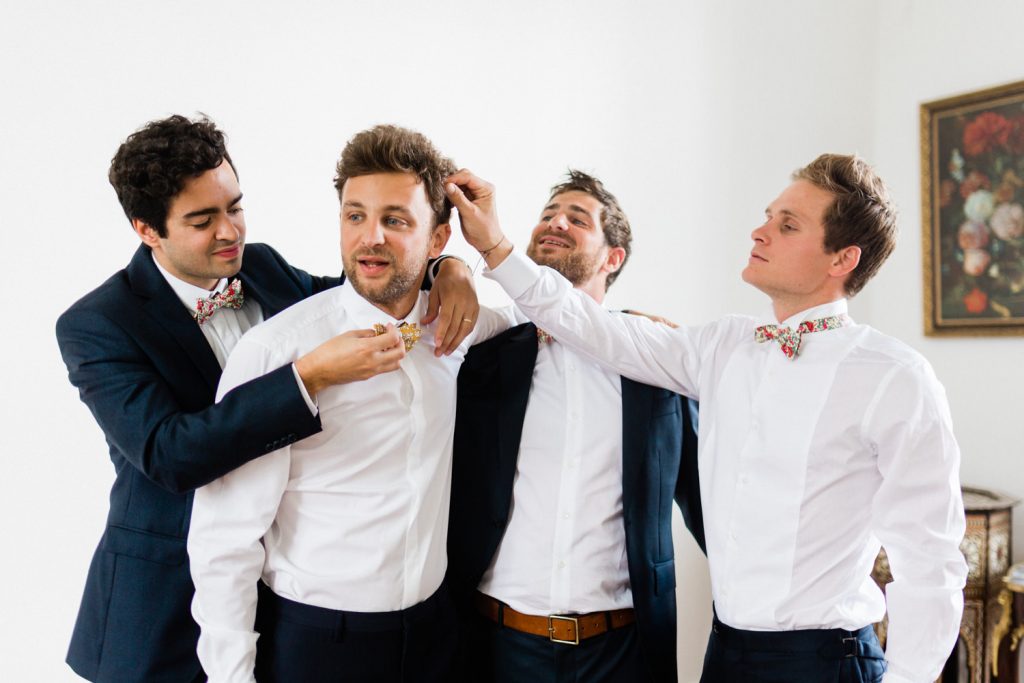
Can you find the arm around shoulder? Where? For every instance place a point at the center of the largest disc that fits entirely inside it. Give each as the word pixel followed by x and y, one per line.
pixel 156 409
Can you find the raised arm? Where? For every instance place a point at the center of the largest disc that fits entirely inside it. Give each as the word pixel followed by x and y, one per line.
pixel 632 346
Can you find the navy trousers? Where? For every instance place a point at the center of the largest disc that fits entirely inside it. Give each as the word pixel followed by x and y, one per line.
pixel 812 656
pixel 497 654
pixel 316 645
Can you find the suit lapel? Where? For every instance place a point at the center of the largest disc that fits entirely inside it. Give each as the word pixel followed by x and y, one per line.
pixel 516 364
pixel 165 309
pixel 636 414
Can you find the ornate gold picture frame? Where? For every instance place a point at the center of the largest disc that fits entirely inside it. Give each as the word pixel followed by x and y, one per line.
pixel 972 205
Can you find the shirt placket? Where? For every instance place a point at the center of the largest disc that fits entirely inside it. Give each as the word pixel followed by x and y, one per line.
pixel 412 395
pixel 565 508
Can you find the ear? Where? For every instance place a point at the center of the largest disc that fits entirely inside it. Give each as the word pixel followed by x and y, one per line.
pixel 438 239
pixel 613 259
pixel 146 232
pixel 845 261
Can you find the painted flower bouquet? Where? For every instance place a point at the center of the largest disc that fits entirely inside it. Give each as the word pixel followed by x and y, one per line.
pixel 981 213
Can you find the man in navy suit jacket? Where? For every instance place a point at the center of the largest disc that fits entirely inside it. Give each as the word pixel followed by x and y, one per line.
pixel 560 545
pixel 149 373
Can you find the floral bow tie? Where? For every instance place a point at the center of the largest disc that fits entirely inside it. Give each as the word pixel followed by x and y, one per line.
pixel 231 297
pixel 410 333
pixel 790 339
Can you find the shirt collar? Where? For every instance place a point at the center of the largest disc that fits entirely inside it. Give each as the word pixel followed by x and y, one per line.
pixel 837 307
pixel 187 292
pixel 364 314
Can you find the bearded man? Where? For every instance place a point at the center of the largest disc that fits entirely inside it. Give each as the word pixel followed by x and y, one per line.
pixel 560 549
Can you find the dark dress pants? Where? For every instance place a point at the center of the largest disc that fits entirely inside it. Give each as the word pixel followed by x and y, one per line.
pixel 316 645
pixel 497 654
pixel 813 656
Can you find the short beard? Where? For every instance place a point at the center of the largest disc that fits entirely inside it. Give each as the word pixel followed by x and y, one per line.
pixel 575 267
pixel 401 282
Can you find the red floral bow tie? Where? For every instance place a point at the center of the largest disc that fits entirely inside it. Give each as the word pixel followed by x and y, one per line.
pixel 790 339
pixel 231 297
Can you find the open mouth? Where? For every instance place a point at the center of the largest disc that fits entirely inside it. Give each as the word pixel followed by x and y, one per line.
pixel 372 265
pixel 553 241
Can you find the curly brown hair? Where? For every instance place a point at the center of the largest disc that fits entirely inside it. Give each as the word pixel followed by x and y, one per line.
pixel 393 149
pixel 614 223
pixel 151 167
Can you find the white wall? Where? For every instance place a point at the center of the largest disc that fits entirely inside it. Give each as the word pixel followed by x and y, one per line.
pixel 929 50
pixel 693 113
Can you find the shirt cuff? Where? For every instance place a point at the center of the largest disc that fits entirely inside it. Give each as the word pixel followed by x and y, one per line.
pixel 311 403
pixel 515 274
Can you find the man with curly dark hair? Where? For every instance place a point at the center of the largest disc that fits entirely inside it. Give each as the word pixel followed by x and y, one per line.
pixel 145 350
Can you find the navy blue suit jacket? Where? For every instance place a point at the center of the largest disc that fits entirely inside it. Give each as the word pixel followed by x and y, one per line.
pixel 659 465
pixel 148 375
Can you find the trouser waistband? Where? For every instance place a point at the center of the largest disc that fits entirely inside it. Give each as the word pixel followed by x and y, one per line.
pixel 274 606
pixel 833 642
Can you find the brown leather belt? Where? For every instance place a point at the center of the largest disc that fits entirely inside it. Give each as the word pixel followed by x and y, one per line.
pixel 568 629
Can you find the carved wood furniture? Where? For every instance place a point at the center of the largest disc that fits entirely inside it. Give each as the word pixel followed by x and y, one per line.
pixel 987 548
pixel 1009 629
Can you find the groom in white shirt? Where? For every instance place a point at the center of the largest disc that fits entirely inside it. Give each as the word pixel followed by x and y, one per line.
pixel 820 439
pixel 342 536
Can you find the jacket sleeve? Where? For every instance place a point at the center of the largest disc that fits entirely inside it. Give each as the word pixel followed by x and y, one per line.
pixel 146 422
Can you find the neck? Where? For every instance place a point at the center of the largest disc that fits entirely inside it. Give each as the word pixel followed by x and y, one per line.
pixel 785 307
pixel 208 285
pixel 400 309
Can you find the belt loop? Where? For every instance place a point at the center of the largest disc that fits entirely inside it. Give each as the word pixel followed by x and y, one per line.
pixel 501 614
pixel 608 621
pixel 338 632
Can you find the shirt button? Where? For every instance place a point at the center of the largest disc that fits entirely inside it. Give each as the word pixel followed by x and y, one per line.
pixel 565 515
pixel 561 564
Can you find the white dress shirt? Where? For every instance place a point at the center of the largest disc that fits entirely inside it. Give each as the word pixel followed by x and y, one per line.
pixel 352 518
pixel 806 466
pixel 564 549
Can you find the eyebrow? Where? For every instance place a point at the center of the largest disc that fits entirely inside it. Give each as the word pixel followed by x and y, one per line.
pixel 783 212
pixel 390 207
pixel 210 210
pixel 572 207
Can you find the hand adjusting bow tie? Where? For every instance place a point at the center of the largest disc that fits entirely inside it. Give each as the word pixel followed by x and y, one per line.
pixel 790 339
pixel 231 297
pixel 410 333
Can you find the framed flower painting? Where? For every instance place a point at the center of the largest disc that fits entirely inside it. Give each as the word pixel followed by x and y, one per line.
pixel 972 192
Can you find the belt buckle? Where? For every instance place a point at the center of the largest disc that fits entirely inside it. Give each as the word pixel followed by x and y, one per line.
pixel 551 629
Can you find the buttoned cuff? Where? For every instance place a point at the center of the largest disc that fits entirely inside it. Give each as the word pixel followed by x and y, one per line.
pixel 311 403
pixel 516 274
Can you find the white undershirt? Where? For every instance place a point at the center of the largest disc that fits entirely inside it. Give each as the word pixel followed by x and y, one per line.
pixel 564 549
